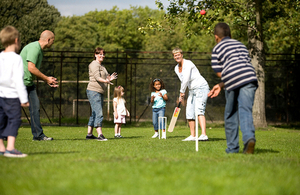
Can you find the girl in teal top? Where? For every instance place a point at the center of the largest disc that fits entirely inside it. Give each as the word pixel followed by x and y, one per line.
pixel 158 98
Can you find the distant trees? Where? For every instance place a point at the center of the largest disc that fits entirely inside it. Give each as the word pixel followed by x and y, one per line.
pixel 282 32
pixel 113 29
pixel 30 17
pixel 118 29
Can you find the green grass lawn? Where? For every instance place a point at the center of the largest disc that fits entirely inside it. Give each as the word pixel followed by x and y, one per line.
pixel 138 164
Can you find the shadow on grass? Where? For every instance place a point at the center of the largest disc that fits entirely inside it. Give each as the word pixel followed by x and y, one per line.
pixel 75 139
pixel 259 150
pixel 38 153
pixel 108 138
pixel 290 126
pixel 129 137
pixel 216 139
pixel 210 139
pixel 173 137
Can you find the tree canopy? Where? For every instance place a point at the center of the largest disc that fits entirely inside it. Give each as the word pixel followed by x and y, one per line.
pixel 30 17
pixel 249 21
pixel 119 29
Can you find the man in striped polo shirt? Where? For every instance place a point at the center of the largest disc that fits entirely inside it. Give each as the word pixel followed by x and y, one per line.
pixel 232 63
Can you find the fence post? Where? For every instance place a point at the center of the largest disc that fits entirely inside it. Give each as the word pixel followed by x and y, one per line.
pixel 60 87
pixel 108 99
pixel 117 65
pixel 77 87
pixel 130 89
pixel 134 92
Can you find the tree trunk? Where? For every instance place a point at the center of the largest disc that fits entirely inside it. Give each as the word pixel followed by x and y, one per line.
pixel 256 49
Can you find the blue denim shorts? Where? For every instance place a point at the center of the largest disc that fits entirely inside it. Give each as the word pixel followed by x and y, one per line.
pixel 196 102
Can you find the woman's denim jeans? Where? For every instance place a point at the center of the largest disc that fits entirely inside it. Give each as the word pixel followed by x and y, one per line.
pixel 96 101
pixel 238 111
pixel 158 112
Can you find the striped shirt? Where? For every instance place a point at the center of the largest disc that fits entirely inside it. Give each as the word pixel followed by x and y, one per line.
pixel 231 58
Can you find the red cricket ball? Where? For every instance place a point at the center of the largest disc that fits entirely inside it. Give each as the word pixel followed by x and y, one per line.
pixel 203 12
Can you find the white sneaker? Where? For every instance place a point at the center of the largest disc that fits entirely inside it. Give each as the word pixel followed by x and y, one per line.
pixel 190 138
pixel 164 135
pixel 155 135
pixel 203 138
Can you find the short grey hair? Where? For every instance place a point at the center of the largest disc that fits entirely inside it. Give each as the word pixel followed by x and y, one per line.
pixel 177 50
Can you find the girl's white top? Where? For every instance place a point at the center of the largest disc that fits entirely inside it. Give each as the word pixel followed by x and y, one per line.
pixel 190 76
pixel 121 109
pixel 11 77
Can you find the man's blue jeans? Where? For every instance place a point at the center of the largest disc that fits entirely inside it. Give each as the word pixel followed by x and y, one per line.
pixel 238 111
pixel 96 101
pixel 158 112
pixel 34 110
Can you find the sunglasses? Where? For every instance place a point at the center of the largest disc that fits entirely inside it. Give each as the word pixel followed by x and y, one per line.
pixel 156 80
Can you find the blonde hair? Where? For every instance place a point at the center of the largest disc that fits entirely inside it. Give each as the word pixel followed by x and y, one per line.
pixel 177 50
pixel 117 92
pixel 8 35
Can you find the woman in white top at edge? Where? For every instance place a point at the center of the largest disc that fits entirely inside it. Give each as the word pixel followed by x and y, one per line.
pixel 190 77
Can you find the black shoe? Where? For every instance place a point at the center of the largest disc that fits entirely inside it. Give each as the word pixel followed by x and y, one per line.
pixel 90 137
pixel 249 146
pixel 116 136
pixel 101 138
pixel 120 136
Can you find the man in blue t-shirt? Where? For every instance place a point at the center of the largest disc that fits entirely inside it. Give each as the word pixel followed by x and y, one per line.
pixel 232 63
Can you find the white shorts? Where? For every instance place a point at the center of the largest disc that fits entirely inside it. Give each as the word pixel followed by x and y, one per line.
pixel 120 119
pixel 197 97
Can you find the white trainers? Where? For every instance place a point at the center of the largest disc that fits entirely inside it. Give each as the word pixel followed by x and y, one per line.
pixel 203 138
pixel 190 138
pixel 155 135
pixel 164 135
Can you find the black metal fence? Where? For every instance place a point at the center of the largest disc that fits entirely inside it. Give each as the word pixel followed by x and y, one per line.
pixel 135 71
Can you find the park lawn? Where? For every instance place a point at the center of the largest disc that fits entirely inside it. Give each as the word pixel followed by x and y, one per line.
pixel 138 164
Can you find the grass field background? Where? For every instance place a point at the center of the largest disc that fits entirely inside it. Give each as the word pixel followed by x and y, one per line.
pixel 138 164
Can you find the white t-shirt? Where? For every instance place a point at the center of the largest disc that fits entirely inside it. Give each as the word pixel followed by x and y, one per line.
pixel 190 76
pixel 121 109
pixel 11 77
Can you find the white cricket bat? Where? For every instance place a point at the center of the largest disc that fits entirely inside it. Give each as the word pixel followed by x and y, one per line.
pixel 174 118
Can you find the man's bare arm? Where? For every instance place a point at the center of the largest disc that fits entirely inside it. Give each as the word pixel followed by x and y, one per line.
pixel 51 81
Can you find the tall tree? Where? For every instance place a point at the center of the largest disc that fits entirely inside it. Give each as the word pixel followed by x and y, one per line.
pixel 30 17
pixel 256 48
